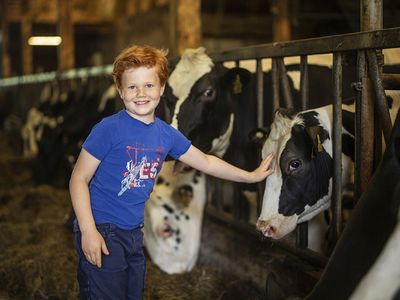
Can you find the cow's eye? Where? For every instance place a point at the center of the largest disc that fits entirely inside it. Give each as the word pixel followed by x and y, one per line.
pixel 208 93
pixel 294 164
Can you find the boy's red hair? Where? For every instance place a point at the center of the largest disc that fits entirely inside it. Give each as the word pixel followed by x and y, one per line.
pixel 141 56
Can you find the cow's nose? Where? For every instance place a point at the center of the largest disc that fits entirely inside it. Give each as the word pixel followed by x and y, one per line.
pixel 267 229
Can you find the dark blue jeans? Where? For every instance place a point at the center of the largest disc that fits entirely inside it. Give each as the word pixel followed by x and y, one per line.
pixel 122 272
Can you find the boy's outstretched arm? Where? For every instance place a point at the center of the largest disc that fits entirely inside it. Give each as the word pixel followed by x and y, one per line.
pixel 215 166
pixel 93 243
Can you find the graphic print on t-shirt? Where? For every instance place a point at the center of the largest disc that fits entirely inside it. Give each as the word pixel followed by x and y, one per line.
pixel 143 165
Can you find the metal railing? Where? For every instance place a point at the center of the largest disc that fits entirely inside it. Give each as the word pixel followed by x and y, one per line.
pixel 365 44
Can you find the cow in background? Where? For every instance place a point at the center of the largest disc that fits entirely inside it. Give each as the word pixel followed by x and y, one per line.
pixel 173 219
pixel 56 127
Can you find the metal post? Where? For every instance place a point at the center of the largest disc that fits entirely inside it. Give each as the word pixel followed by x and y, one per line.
pixel 275 85
pixel 304 82
pixel 337 147
pixel 287 92
pixel 381 102
pixel 260 94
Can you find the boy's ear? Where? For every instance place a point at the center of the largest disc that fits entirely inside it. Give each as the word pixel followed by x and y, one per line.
pixel 119 91
pixel 162 89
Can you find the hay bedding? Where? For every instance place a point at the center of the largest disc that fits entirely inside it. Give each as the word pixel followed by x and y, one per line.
pixel 36 247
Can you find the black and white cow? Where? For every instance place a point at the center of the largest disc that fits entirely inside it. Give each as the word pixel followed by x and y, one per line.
pixel 365 263
pixel 173 219
pixel 215 107
pixel 301 186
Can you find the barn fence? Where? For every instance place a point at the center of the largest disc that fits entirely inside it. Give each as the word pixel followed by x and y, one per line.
pixel 371 104
pixel 371 85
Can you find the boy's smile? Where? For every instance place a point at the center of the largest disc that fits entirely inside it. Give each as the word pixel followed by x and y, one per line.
pixel 141 91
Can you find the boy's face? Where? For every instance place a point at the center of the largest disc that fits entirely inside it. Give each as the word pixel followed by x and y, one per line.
pixel 141 91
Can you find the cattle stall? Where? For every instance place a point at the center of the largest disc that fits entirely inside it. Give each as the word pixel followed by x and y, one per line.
pixel 224 205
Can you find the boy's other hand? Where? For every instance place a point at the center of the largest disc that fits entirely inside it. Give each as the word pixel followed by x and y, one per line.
pixel 93 245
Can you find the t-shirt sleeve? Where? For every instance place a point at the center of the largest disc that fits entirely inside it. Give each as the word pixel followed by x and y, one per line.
pixel 180 144
pixel 98 143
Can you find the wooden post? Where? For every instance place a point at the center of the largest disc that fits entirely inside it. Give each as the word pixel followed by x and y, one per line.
pixel 189 24
pixel 66 53
pixel 26 33
pixel 173 27
pixel 123 9
pixel 281 24
pixel 5 40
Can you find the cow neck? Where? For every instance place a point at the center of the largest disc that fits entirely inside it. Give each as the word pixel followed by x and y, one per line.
pixel 221 144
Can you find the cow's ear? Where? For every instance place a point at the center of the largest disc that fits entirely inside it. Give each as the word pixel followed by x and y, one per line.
pixel 317 136
pixel 237 78
pixel 258 136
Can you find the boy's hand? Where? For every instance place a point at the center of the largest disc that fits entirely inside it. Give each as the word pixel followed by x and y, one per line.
pixel 263 170
pixel 93 245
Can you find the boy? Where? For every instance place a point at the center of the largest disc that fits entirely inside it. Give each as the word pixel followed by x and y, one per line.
pixel 120 159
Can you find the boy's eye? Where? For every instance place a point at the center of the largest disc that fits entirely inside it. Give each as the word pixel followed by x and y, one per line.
pixel 149 85
pixel 131 87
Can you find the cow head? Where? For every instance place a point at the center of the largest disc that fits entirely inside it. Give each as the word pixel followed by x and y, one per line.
pixel 300 187
pixel 173 219
pixel 205 92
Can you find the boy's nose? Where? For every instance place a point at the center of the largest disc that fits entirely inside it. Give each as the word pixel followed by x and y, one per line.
pixel 140 92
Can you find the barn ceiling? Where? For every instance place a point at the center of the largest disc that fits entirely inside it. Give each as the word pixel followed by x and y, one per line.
pixel 225 24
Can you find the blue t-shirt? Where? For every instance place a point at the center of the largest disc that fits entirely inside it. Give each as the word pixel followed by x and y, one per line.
pixel 131 154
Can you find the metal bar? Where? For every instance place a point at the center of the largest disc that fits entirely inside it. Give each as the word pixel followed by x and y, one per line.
pixel 304 82
pixel 304 253
pixel 275 86
pixel 364 131
pixel 302 235
pixel 287 92
pixel 302 229
pixel 337 147
pixel 260 94
pixel 381 102
pixel 50 76
pixel 385 38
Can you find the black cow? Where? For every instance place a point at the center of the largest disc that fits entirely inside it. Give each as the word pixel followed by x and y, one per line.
pixel 372 224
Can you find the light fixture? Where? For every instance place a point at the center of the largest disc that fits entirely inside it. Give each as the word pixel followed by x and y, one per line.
pixel 44 40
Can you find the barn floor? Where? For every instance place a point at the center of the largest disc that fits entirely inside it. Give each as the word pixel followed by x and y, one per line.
pixel 38 260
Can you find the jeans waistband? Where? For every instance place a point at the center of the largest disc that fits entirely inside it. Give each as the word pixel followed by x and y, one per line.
pixel 107 227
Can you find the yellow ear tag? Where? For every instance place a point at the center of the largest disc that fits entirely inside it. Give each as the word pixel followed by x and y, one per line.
pixel 237 85
pixel 319 145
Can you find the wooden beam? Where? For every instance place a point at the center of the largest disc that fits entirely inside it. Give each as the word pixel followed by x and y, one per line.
pixel 5 41
pixel 66 54
pixel 281 24
pixel 26 33
pixel 189 24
